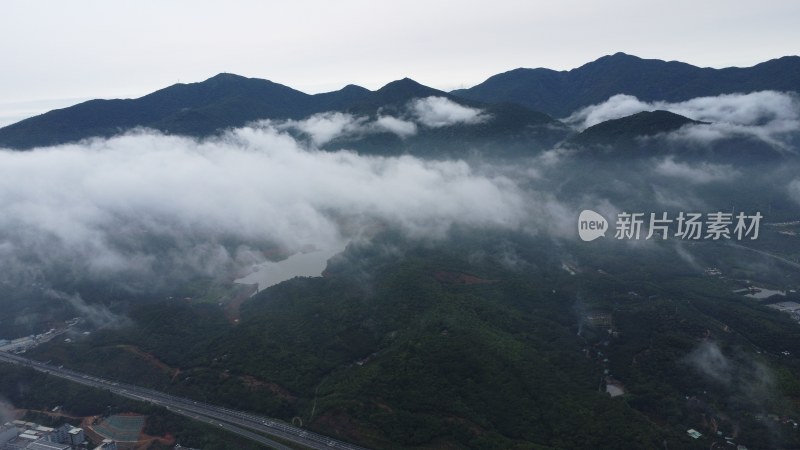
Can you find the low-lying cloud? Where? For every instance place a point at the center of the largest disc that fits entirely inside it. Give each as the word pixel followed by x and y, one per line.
pixel 750 380
pixel 147 204
pixel 400 127
pixel 98 315
pixel 438 112
pixel 698 173
pixel 143 201
pixel 324 127
pixel 766 115
pixel 709 360
pixel 430 112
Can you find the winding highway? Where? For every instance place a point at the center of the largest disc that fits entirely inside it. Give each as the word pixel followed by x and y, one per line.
pixel 244 424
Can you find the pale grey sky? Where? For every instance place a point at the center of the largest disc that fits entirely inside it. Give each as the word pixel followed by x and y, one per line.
pixel 56 53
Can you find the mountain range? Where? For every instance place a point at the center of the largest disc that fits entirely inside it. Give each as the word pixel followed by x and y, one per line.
pixel 521 103
pixel 561 93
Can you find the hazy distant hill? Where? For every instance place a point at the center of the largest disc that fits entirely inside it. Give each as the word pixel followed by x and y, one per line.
pixel 645 123
pixel 508 129
pixel 648 133
pixel 194 109
pixel 559 93
pixel 227 100
pixel 395 94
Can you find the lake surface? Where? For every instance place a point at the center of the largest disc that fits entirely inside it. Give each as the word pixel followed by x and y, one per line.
pixel 309 264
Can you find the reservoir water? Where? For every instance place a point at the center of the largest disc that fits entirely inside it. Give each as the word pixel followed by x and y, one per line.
pixel 309 264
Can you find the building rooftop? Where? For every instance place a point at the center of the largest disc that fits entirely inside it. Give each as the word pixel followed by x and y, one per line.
pixel 46 445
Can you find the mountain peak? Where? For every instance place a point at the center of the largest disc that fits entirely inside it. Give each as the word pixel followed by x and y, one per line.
pixel 618 60
pixel 404 83
pixel 354 88
pixel 620 56
pixel 227 76
pixel 662 120
pixel 226 79
pixel 401 91
pixel 625 129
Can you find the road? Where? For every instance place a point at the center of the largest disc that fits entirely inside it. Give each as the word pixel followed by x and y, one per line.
pixel 239 422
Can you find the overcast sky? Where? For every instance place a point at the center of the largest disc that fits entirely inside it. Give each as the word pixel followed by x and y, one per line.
pixel 56 53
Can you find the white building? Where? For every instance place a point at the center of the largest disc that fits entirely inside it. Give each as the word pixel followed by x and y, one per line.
pixel 75 436
pixel 19 435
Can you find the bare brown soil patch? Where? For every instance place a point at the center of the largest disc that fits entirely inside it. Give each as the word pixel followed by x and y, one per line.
pixel 278 390
pixel 152 360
